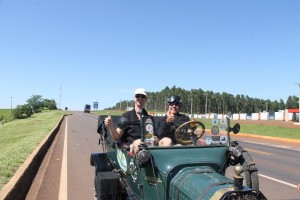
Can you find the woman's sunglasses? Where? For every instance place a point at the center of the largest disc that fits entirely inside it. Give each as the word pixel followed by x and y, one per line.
pixel 140 95
pixel 174 104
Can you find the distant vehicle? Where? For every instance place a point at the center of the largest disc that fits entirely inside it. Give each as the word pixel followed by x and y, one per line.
pixel 87 108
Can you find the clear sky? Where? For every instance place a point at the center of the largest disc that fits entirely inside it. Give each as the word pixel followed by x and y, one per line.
pixel 81 51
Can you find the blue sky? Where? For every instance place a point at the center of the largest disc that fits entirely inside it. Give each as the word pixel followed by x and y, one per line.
pixel 78 52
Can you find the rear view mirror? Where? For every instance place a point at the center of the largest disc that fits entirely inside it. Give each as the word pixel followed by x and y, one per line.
pixel 236 128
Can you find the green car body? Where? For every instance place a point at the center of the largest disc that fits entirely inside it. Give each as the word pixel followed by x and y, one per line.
pixel 176 172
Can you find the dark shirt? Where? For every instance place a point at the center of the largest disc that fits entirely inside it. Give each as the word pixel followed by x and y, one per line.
pixel 168 129
pixel 132 132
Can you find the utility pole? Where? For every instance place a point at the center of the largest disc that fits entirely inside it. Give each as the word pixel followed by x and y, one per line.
pixel 60 95
pixel 205 103
pixel 299 101
pixel 11 103
pixel 165 105
pixel 191 106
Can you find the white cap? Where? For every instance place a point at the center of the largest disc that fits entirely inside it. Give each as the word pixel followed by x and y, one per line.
pixel 140 91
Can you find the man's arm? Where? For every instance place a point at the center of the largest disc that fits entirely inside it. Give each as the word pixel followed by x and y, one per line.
pixel 115 132
pixel 164 128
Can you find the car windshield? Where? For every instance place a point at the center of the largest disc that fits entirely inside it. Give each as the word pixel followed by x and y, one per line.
pixel 195 133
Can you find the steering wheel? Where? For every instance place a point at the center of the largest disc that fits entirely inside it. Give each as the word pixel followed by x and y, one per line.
pixel 185 133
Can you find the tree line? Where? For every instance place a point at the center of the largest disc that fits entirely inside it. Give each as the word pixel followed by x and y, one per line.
pixel 198 101
pixel 35 104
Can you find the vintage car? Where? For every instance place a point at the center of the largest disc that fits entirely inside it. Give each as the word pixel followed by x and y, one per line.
pixel 193 169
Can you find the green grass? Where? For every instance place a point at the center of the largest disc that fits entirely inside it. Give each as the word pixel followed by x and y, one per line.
pixel 18 138
pixel 112 112
pixel 273 131
pixel 264 130
pixel 5 115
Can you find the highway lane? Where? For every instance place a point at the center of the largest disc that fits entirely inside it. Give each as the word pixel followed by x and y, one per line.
pixel 82 141
pixel 66 172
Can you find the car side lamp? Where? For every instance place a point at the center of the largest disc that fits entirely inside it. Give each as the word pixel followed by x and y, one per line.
pixel 143 154
pixel 238 179
pixel 237 151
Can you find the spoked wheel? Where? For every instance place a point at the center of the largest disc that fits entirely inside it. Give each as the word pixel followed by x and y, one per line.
pixel 186 132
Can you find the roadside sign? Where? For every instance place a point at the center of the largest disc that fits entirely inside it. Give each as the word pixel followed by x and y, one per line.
pixel 95 105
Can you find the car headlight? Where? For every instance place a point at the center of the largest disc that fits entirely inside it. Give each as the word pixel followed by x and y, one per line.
pixel 144 156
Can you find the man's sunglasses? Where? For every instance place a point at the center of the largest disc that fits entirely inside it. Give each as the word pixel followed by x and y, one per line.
pixel 140 95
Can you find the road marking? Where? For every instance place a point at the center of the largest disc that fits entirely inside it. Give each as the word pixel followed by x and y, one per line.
pixel 260 152
pixel 63 187
pixel 271 145
pixel 277 180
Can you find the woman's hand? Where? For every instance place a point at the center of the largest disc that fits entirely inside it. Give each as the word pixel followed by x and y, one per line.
pixel 170 117
pixel 156 140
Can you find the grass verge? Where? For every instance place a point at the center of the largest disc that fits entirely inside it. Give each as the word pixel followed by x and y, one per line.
pixel 18 138
pixel 5 115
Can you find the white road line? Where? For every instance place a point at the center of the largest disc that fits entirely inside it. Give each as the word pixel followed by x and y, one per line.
pixel 277 180
pixel 63 187
pixel 270 145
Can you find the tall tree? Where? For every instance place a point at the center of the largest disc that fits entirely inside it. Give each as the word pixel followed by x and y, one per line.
pixel 36 103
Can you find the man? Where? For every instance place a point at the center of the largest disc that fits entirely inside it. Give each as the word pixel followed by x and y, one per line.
pixel 170 122
pixel 131 134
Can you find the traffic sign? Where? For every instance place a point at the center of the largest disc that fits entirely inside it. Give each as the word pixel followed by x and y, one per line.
pixel 95 105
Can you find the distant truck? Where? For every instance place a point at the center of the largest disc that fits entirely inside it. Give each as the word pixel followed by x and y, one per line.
pixel 87 108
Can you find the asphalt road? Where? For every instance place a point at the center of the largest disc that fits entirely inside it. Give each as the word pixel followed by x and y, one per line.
pixel 278 167
pixel 66 172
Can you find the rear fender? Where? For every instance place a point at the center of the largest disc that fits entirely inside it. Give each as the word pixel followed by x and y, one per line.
pixel 101 162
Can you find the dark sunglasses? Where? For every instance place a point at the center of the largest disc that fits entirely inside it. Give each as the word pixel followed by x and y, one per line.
pixel 174 104
pixel 140 95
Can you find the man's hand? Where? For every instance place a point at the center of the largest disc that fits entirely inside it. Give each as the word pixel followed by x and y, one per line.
pixel 108 120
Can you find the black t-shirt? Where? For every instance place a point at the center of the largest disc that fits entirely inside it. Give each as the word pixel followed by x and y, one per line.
pixel 168 129
pixel 132 132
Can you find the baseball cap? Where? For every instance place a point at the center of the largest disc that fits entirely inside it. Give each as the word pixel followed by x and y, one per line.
pixel 140 91
pixel 174 99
